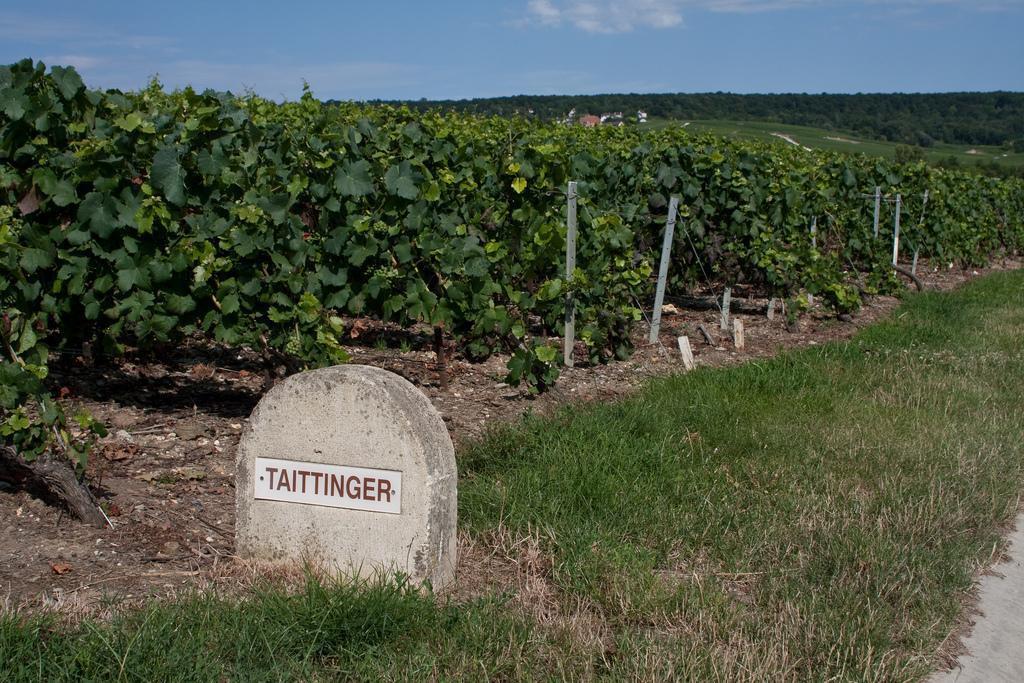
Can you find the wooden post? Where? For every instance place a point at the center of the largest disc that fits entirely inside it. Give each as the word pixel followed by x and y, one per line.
pixel 917 249
pixel 878 207
pixel 726 301
pixel 570 266
pixel 442 367
pixel 738 338
pixel 686 352
pixel 814 233
pixel 771 309
pixel 896 231
pixel 666 250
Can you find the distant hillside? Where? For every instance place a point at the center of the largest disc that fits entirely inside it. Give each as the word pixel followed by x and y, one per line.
pixel 994 118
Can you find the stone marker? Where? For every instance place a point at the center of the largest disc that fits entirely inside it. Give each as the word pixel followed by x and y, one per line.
pixel 351 468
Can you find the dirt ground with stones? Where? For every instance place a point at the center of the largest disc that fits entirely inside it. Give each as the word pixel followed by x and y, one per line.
pixel 165 473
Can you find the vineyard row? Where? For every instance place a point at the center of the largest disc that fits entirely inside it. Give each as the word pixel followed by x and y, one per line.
pixel 145 217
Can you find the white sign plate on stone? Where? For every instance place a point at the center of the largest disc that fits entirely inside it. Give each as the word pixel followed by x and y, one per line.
pixel 355 488
pixel 389 503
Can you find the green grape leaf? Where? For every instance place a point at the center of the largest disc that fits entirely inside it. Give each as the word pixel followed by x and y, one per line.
pixel 168 175
pixel 64 193
pixel 211 163
pixel 180 304
pixel 27 339
pixel 353 179
pixel 546 354
pixel 401 181
pixel 33 259
pixel 127 277
pixel 403 252
pixel 229 304
pixel 14 106
pixel 67 81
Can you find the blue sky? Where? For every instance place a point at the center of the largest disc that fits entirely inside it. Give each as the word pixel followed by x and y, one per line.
pixel 441 49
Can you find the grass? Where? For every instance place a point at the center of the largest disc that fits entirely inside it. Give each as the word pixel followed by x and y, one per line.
pixel 323 631
pixel 819 138
pixel 816 516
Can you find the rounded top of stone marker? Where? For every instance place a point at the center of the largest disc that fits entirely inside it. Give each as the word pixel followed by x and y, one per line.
pixel 349 401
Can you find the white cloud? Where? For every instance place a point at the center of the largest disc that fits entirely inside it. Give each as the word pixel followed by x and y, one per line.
pixel 80 62
pixel 607 16
pixel 620 16
pixel 545 12
pixel 753 5
pixel 38 29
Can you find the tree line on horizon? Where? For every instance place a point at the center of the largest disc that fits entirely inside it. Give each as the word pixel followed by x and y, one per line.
pixel 982 118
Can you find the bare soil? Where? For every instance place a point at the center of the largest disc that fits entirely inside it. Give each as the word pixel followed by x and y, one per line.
pixel 165 474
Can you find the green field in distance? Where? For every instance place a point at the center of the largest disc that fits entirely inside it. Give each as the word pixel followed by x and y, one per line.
pixel 819 138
